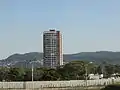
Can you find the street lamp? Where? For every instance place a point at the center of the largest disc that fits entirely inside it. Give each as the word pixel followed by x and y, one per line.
pixel 86 71
pixel 32 69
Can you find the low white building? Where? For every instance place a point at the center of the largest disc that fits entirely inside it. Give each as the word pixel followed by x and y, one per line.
pixel 95 76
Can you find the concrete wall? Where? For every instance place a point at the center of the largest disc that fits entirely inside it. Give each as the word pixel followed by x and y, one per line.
pixel 44 84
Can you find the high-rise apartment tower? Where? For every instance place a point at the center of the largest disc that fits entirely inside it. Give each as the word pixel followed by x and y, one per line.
pixel 52 48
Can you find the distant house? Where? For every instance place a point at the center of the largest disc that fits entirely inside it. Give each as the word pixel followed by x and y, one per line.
pixel 65 63
pixel 95 76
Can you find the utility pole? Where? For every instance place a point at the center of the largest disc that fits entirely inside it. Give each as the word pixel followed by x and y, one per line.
pixel 86 75
pixel 32 72
pixel 32 76
pixel 32 69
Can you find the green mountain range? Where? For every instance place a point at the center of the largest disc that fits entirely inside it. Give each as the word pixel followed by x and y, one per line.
pixel 24 60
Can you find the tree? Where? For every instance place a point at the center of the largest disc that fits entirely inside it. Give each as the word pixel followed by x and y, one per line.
pixel 99 70
pixel 50 75
pixel 38 74
pixel 72 71
pixel 28 75
pixel 4 73
pixel 109 69
pixel 16 74
pixel 116 68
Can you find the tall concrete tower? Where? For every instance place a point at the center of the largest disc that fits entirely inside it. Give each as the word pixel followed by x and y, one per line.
pixel 52 48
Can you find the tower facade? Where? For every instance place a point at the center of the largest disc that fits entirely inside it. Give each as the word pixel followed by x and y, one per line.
pixel 52 48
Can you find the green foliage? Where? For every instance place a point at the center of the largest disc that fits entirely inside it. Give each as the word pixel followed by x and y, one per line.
pixel 28 75
pixel 99 70
pixel 75 70
pixel 38 74
pixel 109 69
pixel 4 74
pixel 16 74
pixel 50 75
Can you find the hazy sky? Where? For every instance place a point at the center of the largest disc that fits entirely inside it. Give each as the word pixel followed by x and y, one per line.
pixel 86 25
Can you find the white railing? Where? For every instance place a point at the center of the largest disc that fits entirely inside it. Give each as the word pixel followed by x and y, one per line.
pixel 44 84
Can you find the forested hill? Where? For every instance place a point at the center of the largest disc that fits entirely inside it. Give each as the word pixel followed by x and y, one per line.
pixel 24 60
pixel 100 56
